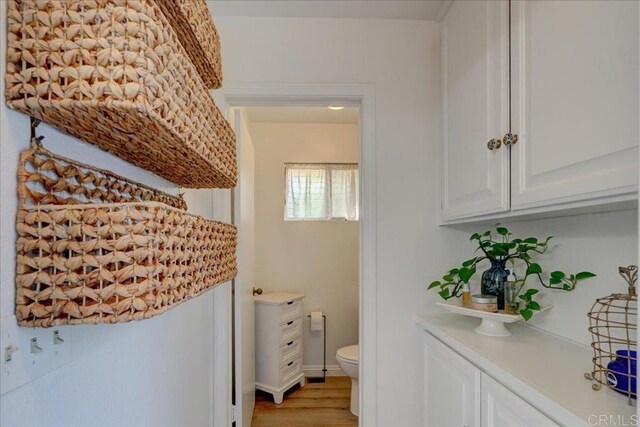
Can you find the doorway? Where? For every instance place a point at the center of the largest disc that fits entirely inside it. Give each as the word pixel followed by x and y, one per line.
pixel 354 96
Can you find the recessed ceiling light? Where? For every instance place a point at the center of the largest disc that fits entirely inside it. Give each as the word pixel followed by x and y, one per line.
pixel 335 108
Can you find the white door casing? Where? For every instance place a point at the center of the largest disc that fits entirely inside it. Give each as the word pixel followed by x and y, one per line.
pixel 574 92
pixel 475 100
pixel 244 283
pixel 362 95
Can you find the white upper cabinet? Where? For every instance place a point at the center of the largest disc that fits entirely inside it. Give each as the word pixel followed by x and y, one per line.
pixel 475 89
pixel 572 70
pixel 574 92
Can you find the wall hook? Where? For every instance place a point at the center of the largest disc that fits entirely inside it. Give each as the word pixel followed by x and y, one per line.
pixel 36 141
pixel 8 353
pixel 56 338
pixel 35 348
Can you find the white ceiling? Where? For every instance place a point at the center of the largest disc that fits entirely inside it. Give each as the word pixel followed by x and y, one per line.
pixel 372 9
pixel 301 115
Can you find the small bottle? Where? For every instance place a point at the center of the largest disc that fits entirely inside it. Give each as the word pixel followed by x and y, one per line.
pixel 509 292
pixel 466 295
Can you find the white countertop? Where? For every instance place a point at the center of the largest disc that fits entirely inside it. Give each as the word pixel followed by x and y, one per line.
pixel 277 298
pixel 543 369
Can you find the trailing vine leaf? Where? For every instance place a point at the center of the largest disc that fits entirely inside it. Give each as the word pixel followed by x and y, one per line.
pixel 466 273
pixel 434 285
pixel 584 275
pixel 469 262
pixel 526 314
pixel 533 305
pixel 534 269
pixel 502 231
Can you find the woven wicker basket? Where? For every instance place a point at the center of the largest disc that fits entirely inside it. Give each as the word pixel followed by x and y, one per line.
pixel 112 72
pixel 192 21
pixel 45 178
pixel 94 263
pixel 111 263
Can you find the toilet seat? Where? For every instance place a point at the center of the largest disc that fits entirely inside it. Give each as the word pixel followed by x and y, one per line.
pixel 349 354
pixel 348 360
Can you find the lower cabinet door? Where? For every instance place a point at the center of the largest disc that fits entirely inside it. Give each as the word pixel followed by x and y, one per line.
pixel 502 408
pixel 452 387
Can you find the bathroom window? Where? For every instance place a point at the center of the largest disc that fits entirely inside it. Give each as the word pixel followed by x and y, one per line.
pixel 321 192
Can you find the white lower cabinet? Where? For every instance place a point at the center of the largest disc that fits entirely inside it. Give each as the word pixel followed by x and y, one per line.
pixel 452 388
pixel 459 394
pixel 502 408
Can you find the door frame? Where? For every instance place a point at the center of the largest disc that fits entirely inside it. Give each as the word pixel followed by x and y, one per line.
pixel 362 96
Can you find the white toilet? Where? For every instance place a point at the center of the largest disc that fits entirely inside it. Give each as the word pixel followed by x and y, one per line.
pixel 348 358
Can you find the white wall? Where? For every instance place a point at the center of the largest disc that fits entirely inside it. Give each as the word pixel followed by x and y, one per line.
pixel 316 258
pixel 401 60
pixel 153 372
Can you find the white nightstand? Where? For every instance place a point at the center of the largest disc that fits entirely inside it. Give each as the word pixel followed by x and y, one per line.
pixel 279 323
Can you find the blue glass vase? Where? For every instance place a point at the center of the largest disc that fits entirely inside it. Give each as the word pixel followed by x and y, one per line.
pixel 493 280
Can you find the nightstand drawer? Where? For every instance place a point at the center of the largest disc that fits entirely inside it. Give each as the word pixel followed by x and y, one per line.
pixel 290 370
pixel 290 331
pixel 290 351
pixel 290 310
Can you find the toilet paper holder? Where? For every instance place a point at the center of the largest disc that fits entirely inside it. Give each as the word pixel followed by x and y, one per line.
pixel 324 350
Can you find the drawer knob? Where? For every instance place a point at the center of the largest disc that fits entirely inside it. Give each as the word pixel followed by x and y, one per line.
pixel 510 139
pixel 257 291
pixel 494 144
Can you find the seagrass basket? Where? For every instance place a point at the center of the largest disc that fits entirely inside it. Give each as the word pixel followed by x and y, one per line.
pixel 113 73
pixel 46 178
pixel 192 21
pixel 81 261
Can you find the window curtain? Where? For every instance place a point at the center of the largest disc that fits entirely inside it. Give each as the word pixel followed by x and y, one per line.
pixel 321 192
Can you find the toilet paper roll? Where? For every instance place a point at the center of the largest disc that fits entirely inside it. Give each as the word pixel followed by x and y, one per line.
pixel 316 321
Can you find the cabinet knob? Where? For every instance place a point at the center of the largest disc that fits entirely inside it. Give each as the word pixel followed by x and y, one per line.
pixel 510 139
pixel 494 144
pixel 257 291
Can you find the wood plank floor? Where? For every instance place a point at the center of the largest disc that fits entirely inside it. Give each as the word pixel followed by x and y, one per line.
pixel 315 404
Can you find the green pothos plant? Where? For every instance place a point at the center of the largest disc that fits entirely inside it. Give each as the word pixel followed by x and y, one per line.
pixel 514 251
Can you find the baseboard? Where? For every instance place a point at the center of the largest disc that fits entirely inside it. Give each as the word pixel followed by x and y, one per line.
pixel 316 371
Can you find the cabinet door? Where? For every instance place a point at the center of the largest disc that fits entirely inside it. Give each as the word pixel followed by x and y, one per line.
pixel 474 179
pixel 502 408
pixel 452 388
pixel 574 99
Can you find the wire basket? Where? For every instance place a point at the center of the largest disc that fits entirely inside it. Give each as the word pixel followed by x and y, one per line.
pixel 613 325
